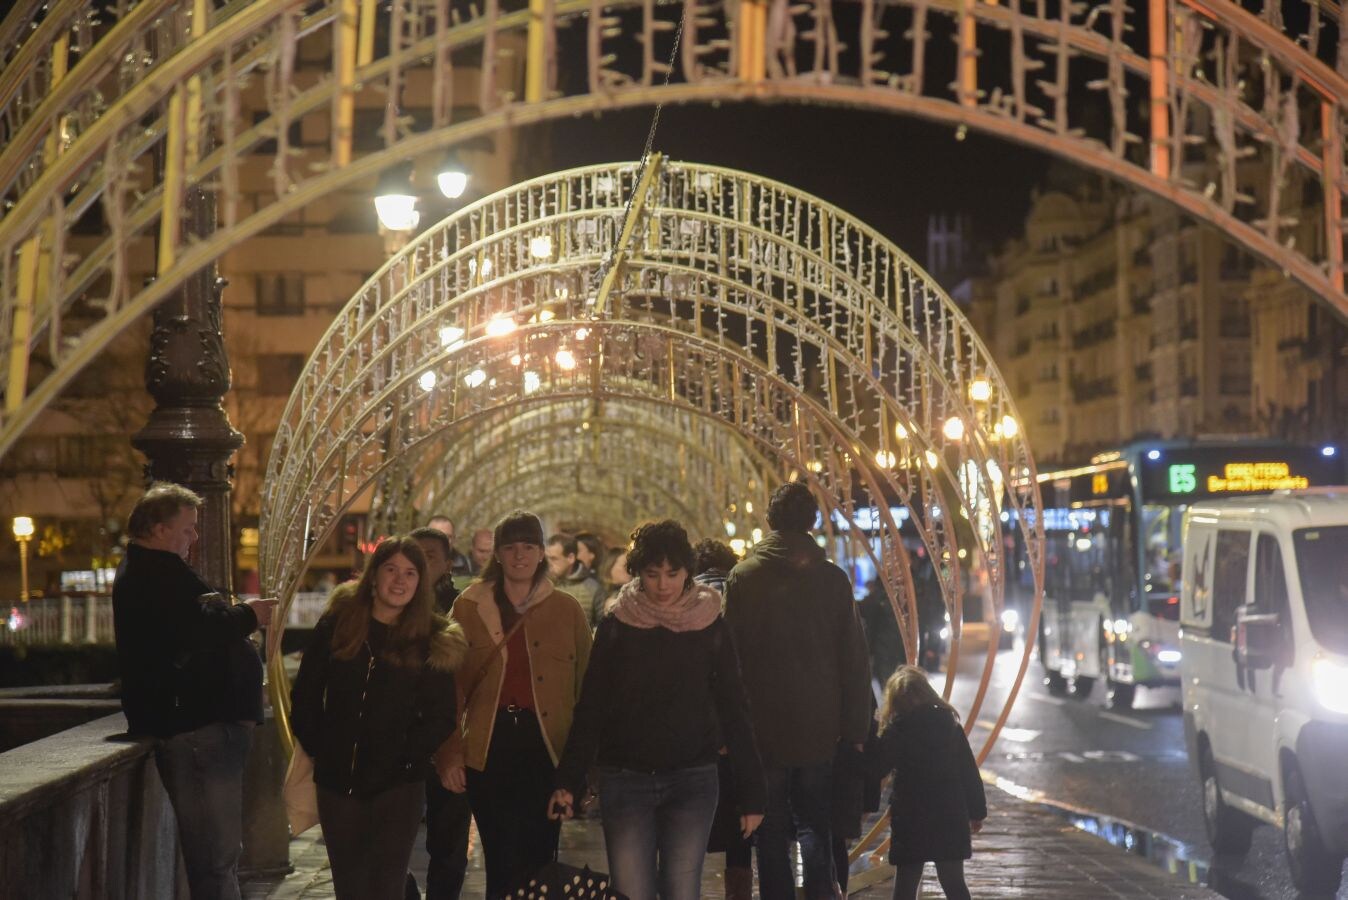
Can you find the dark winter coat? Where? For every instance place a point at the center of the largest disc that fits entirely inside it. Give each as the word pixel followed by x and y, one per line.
pixel 656 700
pixel 368 723
pixel 936 790
pixel 801 649
pixel 184 663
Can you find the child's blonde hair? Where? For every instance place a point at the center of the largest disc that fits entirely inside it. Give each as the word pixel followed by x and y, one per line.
pixel 906 690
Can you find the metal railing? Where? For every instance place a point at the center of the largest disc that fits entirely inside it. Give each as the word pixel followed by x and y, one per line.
pixel 58 620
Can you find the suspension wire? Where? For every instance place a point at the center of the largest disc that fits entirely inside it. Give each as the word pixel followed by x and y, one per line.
pixel 610 258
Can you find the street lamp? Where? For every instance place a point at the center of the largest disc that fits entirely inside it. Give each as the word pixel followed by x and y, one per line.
pixel 23 533
pixel 394 202
pixel 452 177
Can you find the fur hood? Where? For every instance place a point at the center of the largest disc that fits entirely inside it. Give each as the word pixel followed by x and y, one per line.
pixel 449 647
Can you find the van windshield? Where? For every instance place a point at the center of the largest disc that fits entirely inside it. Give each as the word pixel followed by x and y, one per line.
pixel 1323 564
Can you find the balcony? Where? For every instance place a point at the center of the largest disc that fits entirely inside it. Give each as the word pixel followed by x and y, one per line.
pixel 1021 348
pixel 1096 283
pixel 1086 391
pixel 1095 334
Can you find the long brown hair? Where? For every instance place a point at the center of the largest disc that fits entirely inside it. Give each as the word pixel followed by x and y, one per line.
pixel 352 609
pixel 907 690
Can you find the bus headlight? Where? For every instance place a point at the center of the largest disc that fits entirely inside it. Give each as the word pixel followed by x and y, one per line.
pixel 1330 679
pixel 1010 620
pixel 1169 657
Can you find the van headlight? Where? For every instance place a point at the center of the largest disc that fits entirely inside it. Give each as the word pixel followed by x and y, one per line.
pixel 1330 679
pixel 1010 620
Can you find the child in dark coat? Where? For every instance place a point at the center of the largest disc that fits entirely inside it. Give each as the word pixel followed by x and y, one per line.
pixel 937 800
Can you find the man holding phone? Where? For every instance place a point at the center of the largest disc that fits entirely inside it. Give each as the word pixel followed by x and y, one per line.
pixel 191 680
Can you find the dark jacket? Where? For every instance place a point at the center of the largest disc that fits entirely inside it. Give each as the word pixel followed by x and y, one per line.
pixel 802 651
pixel 656 700
pixel 936 790
pixel 369 723
pixel 184 663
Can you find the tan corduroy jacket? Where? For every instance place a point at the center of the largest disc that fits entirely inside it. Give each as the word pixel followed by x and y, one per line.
pixel 557 633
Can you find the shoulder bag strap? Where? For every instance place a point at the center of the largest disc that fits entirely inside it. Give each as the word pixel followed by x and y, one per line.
pixel 495 651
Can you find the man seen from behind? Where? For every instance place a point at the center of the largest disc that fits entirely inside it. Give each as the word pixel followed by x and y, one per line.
pixel 804 661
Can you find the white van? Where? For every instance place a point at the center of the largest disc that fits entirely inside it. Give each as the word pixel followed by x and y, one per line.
pixel 1264 632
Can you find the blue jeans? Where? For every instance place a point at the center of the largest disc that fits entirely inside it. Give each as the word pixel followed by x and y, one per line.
pixel 799 809
pixel 656 828
pixel 202 772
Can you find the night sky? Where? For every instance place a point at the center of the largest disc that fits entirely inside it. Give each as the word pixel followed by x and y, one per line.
pixel 890 171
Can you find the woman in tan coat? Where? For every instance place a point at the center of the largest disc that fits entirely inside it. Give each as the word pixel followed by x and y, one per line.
pixel 528 645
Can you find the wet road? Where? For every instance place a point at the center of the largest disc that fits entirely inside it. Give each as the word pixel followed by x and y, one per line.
pixel 1131 767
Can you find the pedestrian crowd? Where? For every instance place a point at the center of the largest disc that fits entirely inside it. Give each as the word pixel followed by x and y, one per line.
pixel 694 701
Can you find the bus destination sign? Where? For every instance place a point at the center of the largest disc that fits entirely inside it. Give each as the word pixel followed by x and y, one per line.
pixel 1236 477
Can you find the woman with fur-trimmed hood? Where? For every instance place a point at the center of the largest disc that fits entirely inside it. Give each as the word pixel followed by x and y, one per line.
pixel 374 698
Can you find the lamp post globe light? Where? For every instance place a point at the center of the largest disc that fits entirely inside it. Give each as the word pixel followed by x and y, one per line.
pixel 394 201
pixel 23 533
pixel 452 177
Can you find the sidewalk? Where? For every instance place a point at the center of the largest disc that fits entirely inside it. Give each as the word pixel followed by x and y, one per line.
pixel 1024 851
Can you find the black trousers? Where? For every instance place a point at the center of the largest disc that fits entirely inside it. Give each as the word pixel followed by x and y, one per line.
pixel 448 818
pixel 510 799
pixel 370 839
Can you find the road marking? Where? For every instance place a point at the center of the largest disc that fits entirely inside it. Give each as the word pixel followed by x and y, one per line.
pixel 1019 735
pixel 1056 701
pixel 1124 720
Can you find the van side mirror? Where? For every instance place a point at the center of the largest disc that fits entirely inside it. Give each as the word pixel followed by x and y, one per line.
pixel 1258 639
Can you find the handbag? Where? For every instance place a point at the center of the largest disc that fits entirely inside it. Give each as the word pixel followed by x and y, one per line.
pixel 301 797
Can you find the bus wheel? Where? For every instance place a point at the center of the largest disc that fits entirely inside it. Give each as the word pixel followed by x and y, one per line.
pixel 1229 830
pixel 1056 684
pixel 1314 869
pixel 1119 695
pixel 1082 685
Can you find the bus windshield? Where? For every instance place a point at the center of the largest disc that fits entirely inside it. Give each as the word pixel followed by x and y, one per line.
pixel 1323 566
pixel 1161 547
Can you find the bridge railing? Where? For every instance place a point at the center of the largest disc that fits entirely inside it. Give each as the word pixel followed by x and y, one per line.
pixel 88 620
pixel 58 620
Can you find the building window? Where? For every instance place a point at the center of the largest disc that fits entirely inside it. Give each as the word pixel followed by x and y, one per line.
pixel 278 372
pixel 280 294
pixel 294 135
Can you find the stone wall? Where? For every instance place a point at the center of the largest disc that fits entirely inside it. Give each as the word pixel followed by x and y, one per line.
pixel 83 815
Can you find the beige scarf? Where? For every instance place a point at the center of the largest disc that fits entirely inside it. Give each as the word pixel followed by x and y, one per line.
pixel 694 610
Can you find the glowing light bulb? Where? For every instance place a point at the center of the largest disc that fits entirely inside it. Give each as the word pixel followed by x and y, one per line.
pixel 980 390
pixel 565 360
pixel 500 326
pixel 1010 427
pixel 953 428
pixel 450 336
pixel 532 382
pixel 475 378
pixel 540 247
pixel 885 459
pixel 427 380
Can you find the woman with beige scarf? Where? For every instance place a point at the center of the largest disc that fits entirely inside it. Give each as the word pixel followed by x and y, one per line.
pixel 661 695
